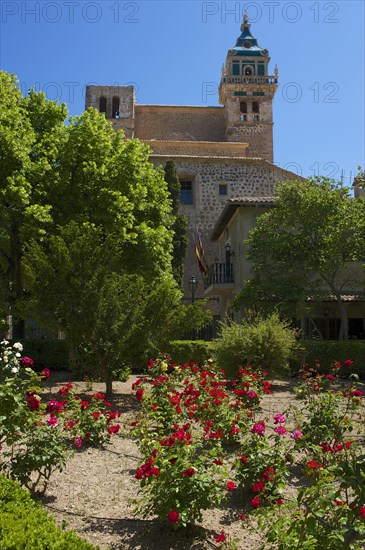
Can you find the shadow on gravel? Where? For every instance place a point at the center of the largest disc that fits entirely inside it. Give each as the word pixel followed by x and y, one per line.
pixel 151 534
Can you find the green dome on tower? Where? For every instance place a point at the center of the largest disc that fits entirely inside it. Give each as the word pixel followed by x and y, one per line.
pixel 246 44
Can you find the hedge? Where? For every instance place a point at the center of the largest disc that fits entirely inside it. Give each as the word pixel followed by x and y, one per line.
pixel 186 351
pixel 53 354
pixel 328 351
pixel 25 525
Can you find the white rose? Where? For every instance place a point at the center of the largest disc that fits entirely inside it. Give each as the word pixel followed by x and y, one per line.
pixel 18 346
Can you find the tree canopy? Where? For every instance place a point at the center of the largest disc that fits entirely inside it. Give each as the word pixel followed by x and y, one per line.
pixel 86 236
pixel 31 129
pixel 308 247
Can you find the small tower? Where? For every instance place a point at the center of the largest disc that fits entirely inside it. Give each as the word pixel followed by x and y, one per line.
pixel 246 90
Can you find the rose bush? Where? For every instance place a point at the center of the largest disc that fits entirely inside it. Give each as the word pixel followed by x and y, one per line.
pixel 36 436
pixel 202 437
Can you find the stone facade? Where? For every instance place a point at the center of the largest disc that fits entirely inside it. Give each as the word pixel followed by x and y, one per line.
pixel 220 152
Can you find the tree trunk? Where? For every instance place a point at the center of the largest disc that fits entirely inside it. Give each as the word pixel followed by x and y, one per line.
pixel 343 333
pixel 16 284
pixel 108 378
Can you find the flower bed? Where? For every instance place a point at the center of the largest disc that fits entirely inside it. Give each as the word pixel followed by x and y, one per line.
pixel 203 437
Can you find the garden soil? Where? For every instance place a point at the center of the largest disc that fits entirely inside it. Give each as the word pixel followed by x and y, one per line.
pixel 91 496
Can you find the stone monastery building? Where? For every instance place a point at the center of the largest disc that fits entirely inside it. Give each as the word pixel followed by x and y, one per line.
pixel 221 153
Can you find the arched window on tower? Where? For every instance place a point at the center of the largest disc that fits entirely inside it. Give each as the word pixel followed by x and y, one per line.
pixel 115 107
pixel 243 110
pixel 256 110
pixel 247 70
pixel 102 105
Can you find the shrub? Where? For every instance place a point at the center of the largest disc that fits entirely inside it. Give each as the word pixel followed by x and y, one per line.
pixel 37 434
pixel 51 354
pixel 24 524
pixel 265 343
pixel 326 352
pixel 187 351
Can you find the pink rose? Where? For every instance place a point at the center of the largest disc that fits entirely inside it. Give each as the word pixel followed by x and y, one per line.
pixel 258 429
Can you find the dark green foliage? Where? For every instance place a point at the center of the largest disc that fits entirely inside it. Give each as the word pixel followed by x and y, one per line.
pixel 24 525
pixel 265 343
pixel 303 248
pixel 53 354
pixel 31 131
pixel 328 351
pixel 186 351
pixel 180 238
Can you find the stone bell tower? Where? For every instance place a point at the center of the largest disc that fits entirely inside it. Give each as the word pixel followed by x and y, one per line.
pixel 246 90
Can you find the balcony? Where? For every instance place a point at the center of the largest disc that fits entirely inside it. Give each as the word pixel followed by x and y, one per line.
pixel 243 79
pixel 220 279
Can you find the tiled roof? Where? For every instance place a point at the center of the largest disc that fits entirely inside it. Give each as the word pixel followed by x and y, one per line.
pixel 242 201
pixel 350 297
pixel 230 208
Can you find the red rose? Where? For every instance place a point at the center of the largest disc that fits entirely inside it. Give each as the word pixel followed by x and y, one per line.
pixel 45 374
pixel 230 485
pixel 65 389
pixel 314 465
pixel 258 487
pixel 26 362
pixel 255 502
pixel 189 472
pixel 221 537
pixel 139 394
pixel 114 429
pixel 33 403
pixel 173 516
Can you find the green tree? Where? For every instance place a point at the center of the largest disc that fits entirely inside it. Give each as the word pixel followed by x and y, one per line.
pixel 113 217
pixel 180 238
pixel 31 129
pixel 306 246
pixel 112 319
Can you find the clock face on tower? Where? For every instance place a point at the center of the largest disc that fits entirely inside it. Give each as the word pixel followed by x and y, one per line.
pixel 247 44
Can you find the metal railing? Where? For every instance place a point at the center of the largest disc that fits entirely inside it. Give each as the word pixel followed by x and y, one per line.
pixel 242 79
pixel 219 273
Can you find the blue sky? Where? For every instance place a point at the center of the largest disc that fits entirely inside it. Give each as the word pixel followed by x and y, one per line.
pixel 172 52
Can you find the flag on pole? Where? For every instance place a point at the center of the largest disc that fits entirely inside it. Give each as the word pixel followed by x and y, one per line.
pixel 200 255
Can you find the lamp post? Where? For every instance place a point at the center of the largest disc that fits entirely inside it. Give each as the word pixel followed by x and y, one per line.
pixel 229 254
pixel 193 283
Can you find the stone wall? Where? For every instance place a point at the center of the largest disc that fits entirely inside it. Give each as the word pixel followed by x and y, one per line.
pixel 125 94
pixel 177 123
pixel 243 177
pixel 258 135
pixel 198 149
